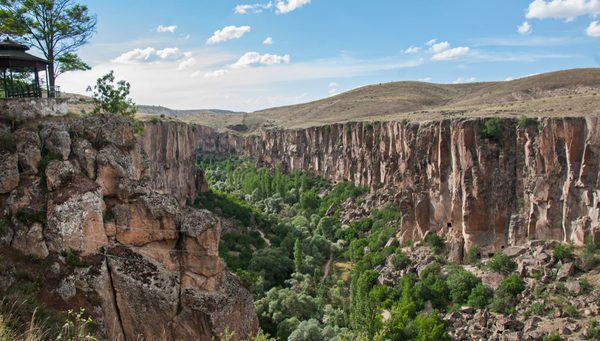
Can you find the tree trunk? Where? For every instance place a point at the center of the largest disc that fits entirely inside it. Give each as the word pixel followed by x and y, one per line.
pixel 51 74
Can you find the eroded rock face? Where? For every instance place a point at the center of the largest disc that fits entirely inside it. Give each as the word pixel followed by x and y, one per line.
pixel 448 179
pixel 135 258
pixel 172 148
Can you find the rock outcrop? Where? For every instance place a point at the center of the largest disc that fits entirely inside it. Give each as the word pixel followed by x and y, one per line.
pixel 142 263
pixel 538 181
pixel 171 147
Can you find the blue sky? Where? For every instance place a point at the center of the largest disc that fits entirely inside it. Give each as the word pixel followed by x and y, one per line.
pixel 250 55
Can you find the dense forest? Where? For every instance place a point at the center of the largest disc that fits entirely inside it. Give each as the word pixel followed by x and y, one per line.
pixel 314 278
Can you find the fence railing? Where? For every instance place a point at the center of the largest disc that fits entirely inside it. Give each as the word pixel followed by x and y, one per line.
pixel 28 91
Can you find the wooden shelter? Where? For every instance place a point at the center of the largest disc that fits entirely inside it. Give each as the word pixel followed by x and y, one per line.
pixel 13 55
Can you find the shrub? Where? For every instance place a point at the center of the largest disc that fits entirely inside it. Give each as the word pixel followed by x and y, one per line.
pixel 501 262
pixel 520 202
pixel 513 284
pixel 368 126
pixel 327 129
pixel 480 296
pixel 348 131
pixel 404 121
pixel 154 119
pixel 503 302
pixel 434 240
pixel 194 128
pixel 525 121
pixel 461 283
pixel 472 254
pixel 409 243
pixel 8 143
pixel 399 261
pixel 492 129
pixel 47 157
pixel 162 115
pixel 562 252
pixel 571 310
pixel 538 309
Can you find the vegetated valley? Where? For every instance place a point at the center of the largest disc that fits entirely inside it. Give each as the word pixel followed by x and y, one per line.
pixel 323 263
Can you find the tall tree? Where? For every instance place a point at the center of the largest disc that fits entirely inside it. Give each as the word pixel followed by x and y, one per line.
pixel 298 256
pixel 55 27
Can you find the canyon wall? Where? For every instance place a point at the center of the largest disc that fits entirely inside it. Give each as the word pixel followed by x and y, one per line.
pixel 140 262
pixel 539 181
pixel 171 147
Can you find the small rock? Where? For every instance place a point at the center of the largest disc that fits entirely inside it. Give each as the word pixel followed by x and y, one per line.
pixel 562 330
pixel 466 310
pixel 514 251
pixel 332 210
pixel 573 287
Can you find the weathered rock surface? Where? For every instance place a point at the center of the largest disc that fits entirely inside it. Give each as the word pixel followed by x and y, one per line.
pixel 171 147
pixel 450 180
pixel 132 256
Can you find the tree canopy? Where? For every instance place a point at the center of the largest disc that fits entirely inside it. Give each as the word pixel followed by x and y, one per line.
pixel 55 27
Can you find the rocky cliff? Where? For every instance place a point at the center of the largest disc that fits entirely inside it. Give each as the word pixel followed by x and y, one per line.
pixel 79 194
pixel 171 147
pixel 539 181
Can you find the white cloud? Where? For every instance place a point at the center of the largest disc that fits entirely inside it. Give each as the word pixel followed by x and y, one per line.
pixel 593 30
pixel 217 73
pixel 332 91
pixel 562 9
pixel 255 59
pixel 425 79
pixel 412 49
pixel 462 80
pixel 148 55
pixel 162 28
pixel 333 84
pixel 269 41
pixel 187 54
pixel 229 32
pixel 291 5
pixel 188 63
pixel 524 29
pixel 243 9
pixel 454 53
pixel 431 42
pixel 508 79
pixel 441 47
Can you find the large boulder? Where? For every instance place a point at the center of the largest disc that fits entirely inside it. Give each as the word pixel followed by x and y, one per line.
pixel 56 140
pixel 9 172
pixel 74 216
pixel 29 150
pixel 86 156
pixel 60 173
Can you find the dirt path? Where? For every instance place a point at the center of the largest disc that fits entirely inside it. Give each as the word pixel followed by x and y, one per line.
pixel 327 268
pixel 265 239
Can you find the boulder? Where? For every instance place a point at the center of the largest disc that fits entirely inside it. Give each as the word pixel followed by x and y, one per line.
pixel 28 149
pixel 201 234
pixel 492 279
pixel 332 210
pixel 56 140
pixel 86 156
pixel 30 240
pixel 565 271
pixel 9 172
pixel 573 287
pixel 60 173
pixel 514 251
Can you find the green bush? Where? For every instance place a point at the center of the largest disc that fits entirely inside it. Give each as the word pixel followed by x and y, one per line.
pixel 368 126
pixel 525 121
pixel 480 296
pixel 400 261
pixel 492 129
pixel 327 129
pixel 194 128
pixel 562 252
pixel 472 254
pixel 461 283
pixel 513 284
pixel 404 121
pixel 154 119
pixel 435 241
pixel 348 131
pixel 503 302
pixel 501 263
pixel 538 309
pixel 520 202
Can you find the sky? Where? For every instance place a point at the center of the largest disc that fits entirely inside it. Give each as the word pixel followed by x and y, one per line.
pixel 250 55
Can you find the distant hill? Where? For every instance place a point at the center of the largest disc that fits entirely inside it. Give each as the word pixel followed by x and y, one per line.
pixel 158 110
pixel 561 93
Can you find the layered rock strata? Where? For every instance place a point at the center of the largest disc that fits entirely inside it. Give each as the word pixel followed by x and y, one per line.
pixel 539 181
pixel 140 261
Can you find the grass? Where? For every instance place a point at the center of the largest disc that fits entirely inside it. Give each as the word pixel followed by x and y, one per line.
pixel 8 143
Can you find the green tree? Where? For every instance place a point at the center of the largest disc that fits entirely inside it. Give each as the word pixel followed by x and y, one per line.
pixel 460 283
pixel 109 98
pixel 309 200
pixel 298 255
pixel 56 27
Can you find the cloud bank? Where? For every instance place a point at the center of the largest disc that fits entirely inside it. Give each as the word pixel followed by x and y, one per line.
pixel 149 55
pixel 171 29
pixel 562 9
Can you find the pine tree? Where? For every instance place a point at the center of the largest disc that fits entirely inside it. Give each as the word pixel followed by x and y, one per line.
pixel 298 255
